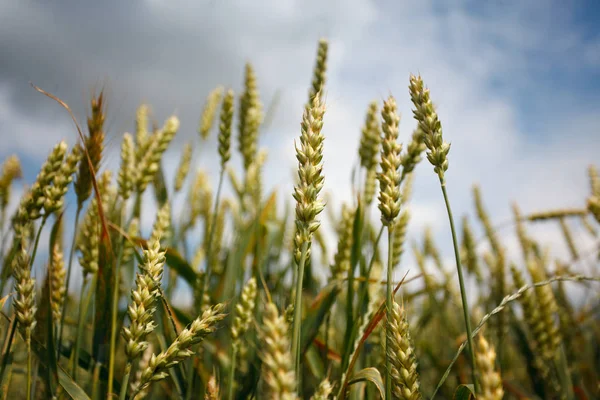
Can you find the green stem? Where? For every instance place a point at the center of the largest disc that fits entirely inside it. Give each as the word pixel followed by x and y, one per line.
pixel 137 206
pixel 28 340
pixel 326 335
pixel 29 366
pixel 125 382
pixel 2 232
pixel 463 292
pixel 114 312
pixel 388 306
pixel 95 380
pixel 296 350
pixel 191 377
pixel 37 241
pixel 562 366
pixel 69 267
pixel 93 303
pixel 211 229
pixel 232 371
pixel 81 320
pixel 206 279
pixel 362 299
pixel 364 290
pixel 355 255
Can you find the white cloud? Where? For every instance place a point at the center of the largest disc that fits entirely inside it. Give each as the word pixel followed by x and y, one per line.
pixel 520 141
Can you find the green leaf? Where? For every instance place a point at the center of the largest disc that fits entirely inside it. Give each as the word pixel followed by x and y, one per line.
pixel 160 188
pixel 357 229
pixel 316 314
pixel 464 392
pixel 64 379
pixel 234 260
pixel 315 363
pixel 369 375
pixel 183 317
pixel 181 266
pixel 72 388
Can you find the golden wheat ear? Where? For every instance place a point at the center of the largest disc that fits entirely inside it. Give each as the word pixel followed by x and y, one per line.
pixel 209 112
pixel 93 148
pixel 490 379
pixel 277 371
pixel 405 380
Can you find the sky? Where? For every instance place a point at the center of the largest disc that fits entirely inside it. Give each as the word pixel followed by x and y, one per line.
pixel 516 85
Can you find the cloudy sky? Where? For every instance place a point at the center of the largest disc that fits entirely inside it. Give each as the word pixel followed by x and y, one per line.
pixel 516 84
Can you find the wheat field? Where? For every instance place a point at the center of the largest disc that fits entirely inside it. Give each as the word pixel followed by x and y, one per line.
pixel 269 315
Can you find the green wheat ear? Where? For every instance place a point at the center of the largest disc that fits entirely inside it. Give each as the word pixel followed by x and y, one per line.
pixel 180 349
pixel 57 284
pixel 593 202
pixel 430 125
pixel 250 117
pixel 244 312
pixel 184 167
pixel 210 111
pixel 389 177
pixel 320 70
pixel 11 170
pixel 341 260
pixel 310 166
pixel 368 150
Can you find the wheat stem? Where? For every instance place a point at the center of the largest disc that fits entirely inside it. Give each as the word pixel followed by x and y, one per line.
pixel 211 229
pixel 206 278
pixel 95 379
pixel 69 267
pixel 114 311
pixel 562 366
pixel 80 324
pixel 232 372
pixel 37 241
pixel 463 293
pixel 364 290
pixel 29 367
pixel 125 381
pixel 388 306
pixel 297 325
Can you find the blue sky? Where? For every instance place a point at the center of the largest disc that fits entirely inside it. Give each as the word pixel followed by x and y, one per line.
pixel 516 84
